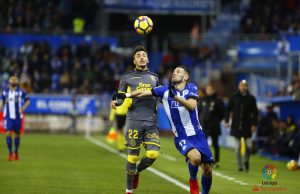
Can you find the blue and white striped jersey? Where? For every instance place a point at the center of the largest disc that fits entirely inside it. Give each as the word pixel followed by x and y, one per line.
pixel 184 122
pixel 13 102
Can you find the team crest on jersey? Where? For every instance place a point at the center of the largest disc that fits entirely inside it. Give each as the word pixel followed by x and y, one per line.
pixel 185 92
pixel 152 78
pixel 132 142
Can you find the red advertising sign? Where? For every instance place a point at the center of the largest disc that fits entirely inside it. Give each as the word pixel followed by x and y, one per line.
pixel 1 123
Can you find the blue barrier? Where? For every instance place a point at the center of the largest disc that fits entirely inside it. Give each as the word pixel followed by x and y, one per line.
pixel 294 42
pixel 256 65
pixel 257 49
pixel 55 104
pixel 17 40
pixel 172 6
pixel 287 106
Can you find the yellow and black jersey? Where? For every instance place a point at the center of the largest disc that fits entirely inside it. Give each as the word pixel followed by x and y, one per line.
pixel 143 108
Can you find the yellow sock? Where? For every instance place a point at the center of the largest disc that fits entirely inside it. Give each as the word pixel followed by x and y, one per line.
pixel 121 141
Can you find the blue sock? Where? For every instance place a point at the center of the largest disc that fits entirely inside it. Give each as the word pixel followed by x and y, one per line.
pixel 17 143
pixel 193 171
pixel 206 184
pixel 9 144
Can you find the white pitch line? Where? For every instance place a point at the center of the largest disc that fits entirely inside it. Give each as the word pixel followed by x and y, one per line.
pixel 168 157
pixel 229 178
pixel 154 171
pixel 158 173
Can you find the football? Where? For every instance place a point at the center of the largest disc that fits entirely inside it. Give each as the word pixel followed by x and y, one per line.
pixel 143 25
pixel 292 165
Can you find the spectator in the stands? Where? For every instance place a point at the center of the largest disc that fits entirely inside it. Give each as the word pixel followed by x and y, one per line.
pixel 265 128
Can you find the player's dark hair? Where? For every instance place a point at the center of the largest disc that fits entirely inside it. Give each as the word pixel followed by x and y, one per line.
pixel 185 69
pixel 139 48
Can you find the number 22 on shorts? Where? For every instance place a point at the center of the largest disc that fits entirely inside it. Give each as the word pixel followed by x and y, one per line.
pixel 133 134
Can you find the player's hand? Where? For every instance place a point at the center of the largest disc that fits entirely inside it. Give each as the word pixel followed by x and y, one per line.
pixel 118 96
pixel 113 104
pixel 171 90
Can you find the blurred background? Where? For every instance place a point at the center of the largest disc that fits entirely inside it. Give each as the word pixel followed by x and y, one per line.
pixel 70 54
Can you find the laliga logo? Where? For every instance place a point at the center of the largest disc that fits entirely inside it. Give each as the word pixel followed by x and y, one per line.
pixel 269 172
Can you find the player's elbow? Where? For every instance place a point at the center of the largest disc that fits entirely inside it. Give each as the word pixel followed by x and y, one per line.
pixel 192 106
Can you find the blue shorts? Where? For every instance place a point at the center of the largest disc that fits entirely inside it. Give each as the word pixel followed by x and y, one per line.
pixel 13 124
pixel 199 142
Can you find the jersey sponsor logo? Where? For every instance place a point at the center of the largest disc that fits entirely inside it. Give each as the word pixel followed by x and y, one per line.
pixel 152 136
pixel 175 104
pixel 194 94
pixel 144 87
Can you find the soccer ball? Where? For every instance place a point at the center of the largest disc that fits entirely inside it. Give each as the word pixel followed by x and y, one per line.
pixel 292 165
pixel 143 25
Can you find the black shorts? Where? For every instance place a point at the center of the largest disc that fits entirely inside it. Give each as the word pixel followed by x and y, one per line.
pixel 120 121
pixel 139 133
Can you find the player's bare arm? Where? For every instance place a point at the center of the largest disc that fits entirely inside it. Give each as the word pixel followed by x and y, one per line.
pixel 139 93
pixel 1 104
pixel 190 103
pixel 27 103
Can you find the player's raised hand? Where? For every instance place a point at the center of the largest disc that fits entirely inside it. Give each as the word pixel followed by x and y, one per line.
pixel 113 104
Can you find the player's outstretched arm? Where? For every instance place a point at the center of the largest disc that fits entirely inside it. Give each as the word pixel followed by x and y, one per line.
pixel 190 103
pixel 139 93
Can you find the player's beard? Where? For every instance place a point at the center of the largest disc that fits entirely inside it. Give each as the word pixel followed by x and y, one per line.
pixel 177 81
pixel 142 65
pixel 13 85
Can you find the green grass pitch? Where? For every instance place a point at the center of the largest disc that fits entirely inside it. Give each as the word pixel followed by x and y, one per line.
pixel 59 164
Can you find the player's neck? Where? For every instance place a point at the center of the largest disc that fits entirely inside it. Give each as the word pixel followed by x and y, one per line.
pixel 180 86
pixel 141 68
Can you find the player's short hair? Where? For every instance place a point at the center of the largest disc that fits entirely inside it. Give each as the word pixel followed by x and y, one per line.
pixel 137 49
pixel 185 69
